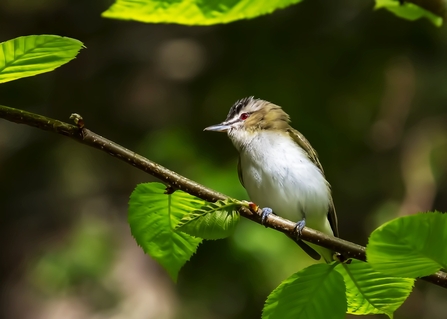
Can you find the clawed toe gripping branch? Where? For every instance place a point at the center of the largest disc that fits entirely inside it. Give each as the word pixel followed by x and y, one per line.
pixel 175 181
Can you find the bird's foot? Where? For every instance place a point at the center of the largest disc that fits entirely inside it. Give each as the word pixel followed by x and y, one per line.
pixel 299 227
pixel 266 211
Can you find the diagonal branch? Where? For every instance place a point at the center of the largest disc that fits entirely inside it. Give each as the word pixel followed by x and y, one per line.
pixel 85 136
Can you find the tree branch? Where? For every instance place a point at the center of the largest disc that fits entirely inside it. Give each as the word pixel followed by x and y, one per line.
pixel 85 136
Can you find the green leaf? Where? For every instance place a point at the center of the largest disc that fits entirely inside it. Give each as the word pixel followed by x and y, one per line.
pixel 153 215
pixel 35 54
pixel 205 12
pixel 212 221
pixel 316 292
pixel 408 11
pixel 372 292
pixel 410 246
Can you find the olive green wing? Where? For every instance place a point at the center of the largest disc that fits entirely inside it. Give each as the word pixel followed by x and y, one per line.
pixel 312 154
pixel 305 145
pixel 239 171
pixel 332 217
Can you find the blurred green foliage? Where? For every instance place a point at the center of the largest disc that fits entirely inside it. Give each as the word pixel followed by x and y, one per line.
pixel 77 264
pixel 176 148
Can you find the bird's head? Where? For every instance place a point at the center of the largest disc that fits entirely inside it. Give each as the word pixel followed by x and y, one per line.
pixel 249 116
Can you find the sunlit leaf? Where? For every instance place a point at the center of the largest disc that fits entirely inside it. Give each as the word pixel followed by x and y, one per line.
pixel 35 54
pixel 408 11
pixel 316 292
pixel 153 216
pixel 372 292
pixel 205 12
pixel 410 246
pixel 212 221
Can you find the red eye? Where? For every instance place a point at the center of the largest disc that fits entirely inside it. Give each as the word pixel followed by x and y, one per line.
pixel 244 116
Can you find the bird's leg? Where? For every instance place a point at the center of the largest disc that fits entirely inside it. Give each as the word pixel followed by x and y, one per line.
pixel 266 211
pixel 299 227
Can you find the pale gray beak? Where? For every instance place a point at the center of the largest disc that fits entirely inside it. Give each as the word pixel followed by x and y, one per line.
pixel 222 127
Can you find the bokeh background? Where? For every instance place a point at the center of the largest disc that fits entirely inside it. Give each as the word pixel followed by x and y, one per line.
pixel 367 89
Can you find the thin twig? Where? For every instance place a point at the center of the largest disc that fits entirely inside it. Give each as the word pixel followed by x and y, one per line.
pixel 85 136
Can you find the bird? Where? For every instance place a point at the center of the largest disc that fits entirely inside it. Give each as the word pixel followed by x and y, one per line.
pixel 280 170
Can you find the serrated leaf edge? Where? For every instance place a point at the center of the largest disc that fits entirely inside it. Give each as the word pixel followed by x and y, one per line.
pixel 208 209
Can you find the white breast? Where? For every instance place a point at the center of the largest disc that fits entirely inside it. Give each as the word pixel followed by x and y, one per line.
pixel 278 174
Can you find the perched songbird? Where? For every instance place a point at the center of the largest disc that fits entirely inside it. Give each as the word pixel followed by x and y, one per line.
pixel 279 168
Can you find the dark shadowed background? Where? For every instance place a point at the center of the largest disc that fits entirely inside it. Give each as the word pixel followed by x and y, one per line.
pixel 369 91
